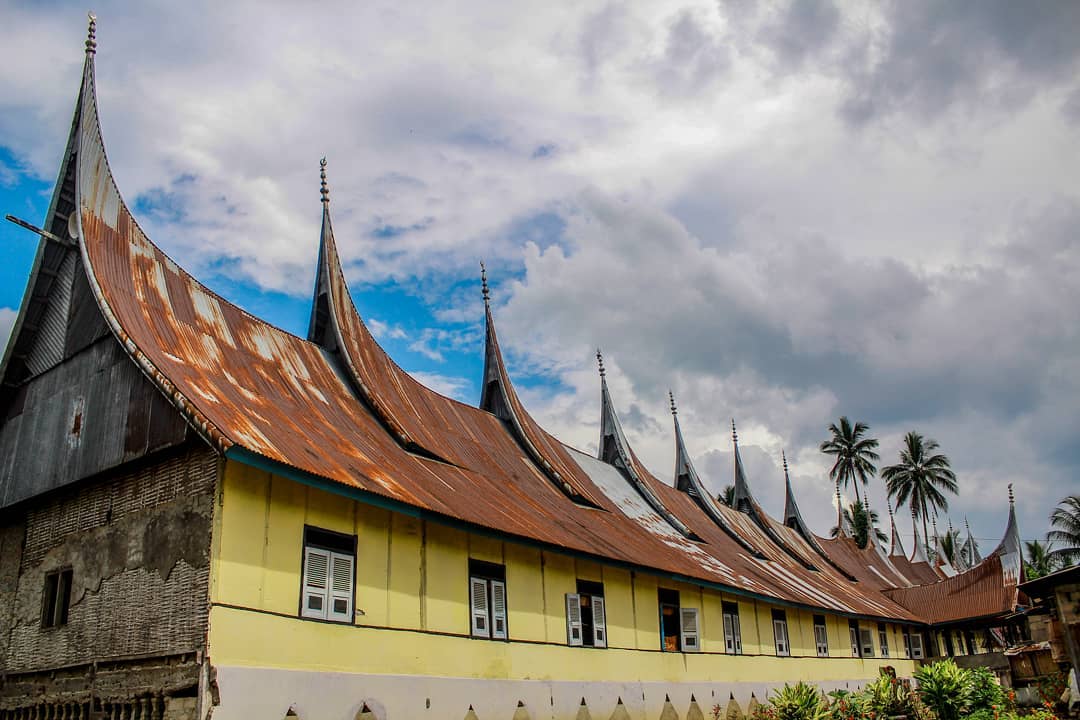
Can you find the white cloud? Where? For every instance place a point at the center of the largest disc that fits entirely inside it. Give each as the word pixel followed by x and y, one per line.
pixel 385 331
pixel 457 388
pixel 772 212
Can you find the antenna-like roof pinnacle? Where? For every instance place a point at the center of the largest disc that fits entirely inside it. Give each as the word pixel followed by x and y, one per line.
pixel 671 397
pixel 966 526
pixel 783 456
pixel 734 434
pixel 91 33
pixel 483 283
pixel 324 189
pixel 1012 500
pixel 600 362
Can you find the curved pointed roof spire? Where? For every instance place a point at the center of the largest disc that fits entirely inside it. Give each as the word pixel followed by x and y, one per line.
pixel 918 554
pixel 687 480
pixel 498 397
pixel 50 307
pixel 896 548
pixel 615 450
pixel 744 499
pixel 973 556
pixel 1010 549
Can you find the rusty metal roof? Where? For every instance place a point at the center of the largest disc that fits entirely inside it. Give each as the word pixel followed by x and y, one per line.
pixel 978 593
pixel 345 412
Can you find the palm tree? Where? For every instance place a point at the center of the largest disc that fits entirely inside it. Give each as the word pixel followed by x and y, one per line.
pixel 1040 559
pixel 919 479
pixel 1066 523
pixel 727 495
pixel 950 545
pixel 855 517
pixel 855 456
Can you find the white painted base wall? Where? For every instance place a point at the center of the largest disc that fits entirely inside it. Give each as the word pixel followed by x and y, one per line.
pixel 247 693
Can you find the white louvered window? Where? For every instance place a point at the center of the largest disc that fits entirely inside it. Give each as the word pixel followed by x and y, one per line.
pixel 498 610
pixel 916 646
pixel 478 594
pixel 329 575
pixel 732 629
pixel 853 637
pixel 821 636
pixel 487 600
pixel 883 639
pixel 780 633
pixel 688 628
pixel 907 642
pixel 586 616
pixel 573 619
pixel 599 615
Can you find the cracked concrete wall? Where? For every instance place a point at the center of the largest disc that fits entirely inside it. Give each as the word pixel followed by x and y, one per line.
pixel 138 543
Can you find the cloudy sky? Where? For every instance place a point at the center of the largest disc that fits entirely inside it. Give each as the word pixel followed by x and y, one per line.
pixel 784 212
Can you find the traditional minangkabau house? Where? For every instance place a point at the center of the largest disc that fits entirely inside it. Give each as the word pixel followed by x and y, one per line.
pixel 201 514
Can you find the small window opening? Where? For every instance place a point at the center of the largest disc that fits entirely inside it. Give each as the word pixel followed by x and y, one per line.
pixel 56 598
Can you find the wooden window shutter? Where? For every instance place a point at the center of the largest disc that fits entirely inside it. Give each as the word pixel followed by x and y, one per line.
pixel 689 629
pixel 341 588
pixel 853 635
pixel 599 619
pixel 316 577
pixel 780 636
pixel 478 599
pixel 573 619
pixel 498 609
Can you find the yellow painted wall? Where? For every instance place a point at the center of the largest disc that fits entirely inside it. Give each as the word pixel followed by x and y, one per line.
pixel 412 587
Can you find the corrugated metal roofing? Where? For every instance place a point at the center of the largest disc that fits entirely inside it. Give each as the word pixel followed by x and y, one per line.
pixel 240 381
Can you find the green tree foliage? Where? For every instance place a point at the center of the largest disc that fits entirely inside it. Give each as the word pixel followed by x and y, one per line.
pixel 1040 559
pixel 854 452
pixel 856 518
pixel 920 479
pixel 727 495
pixel 1065 519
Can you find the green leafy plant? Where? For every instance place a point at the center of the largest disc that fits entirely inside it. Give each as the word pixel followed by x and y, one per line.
pixel 846 705
pixel 986 692
pixel 1051 686
pixel 888 697
pixel 945 689
pixel 801 701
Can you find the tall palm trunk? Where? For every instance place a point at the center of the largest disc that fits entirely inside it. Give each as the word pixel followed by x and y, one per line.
pixel 914 528
pixel 925 536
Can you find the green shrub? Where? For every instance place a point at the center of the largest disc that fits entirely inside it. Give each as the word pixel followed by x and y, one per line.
pixel 888 697
pixel 986 693
pixel 801 701
pixel 945 688
pixel 845 705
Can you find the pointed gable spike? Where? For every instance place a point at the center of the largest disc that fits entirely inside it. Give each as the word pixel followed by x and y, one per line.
pixel 615 451
pixel 1010 549
pixel 896 548
pixel 743 497
pixel 91 33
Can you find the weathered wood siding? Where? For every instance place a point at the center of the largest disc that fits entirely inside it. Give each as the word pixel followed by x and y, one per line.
pixel 90 413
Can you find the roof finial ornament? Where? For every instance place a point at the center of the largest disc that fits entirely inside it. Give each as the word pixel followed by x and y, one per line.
pixel 1012 501
pixel 600 362
pixel 734 434
pixel 671 397
pixel 91 33
pixel 966 526
pixel 324 189
pixel 783 456
pixel 483 284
